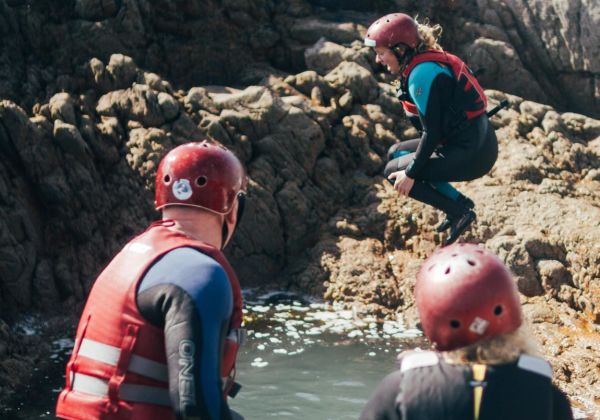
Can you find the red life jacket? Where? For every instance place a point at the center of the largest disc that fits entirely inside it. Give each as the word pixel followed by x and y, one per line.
pixel 459 70
pixel 118 366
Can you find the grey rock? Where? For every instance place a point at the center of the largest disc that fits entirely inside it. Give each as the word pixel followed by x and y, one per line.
pixel 197 98
pixel 551 122
pixel 168 105
pixel 325 55
pixel 356 78
pixel 122 69
pixel 69 139
pixel 553 274
pixel 62 107
pixel 309 30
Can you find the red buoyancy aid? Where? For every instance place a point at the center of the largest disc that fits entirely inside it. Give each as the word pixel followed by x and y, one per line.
pixel 459 70
pixel 118 366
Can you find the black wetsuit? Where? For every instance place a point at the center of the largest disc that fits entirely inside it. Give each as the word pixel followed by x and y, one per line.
pixel 426 387
pixel 451 148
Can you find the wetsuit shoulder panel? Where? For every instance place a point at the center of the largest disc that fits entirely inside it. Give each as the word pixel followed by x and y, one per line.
pixel 189 295
pixel 198 274
pixel 420 80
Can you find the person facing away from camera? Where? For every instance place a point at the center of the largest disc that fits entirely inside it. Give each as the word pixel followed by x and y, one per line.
pixel 159 333
pixel 485 365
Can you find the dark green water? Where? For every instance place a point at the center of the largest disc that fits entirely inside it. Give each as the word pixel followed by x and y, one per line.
pixel 302 360
pixel 314 361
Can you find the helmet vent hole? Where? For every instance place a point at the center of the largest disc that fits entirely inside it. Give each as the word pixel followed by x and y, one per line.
pixel 498 310
pixel 455 324
pixel 455 255
pixel 201 181
pixel 480 251
pixel 471 262
pixel 166 179
pixel 447 270
pixel 431 267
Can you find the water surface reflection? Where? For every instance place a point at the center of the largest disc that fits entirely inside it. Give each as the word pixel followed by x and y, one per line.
pixel 311 360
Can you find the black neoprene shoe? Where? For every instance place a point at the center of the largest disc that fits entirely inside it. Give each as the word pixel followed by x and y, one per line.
pixel 447 222
pixel 466 201
pixel 459 226
pixel 444 225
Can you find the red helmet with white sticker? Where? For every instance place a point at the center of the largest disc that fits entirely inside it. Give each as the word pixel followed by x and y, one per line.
pixel 464 294
pixel 200 174
pixel 391 30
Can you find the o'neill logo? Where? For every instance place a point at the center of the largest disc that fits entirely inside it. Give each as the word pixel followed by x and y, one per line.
pixel 182 189
pixel 187 389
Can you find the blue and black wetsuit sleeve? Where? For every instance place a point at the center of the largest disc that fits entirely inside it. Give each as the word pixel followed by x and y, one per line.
pixel 382 405
pixel 561 409
pixel 189 295
pixel 431 87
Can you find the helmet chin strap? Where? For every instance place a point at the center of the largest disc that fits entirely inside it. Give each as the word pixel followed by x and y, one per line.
pixel 224 235
pixel 240 211
pixel 404 58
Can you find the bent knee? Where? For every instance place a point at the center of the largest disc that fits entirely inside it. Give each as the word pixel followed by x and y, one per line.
pixel 392 151
pixel 394 165
pixel 403 148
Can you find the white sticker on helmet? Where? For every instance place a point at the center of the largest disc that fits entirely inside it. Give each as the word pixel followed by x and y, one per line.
pixel 182 190
pixel 370 42
pixel 479 325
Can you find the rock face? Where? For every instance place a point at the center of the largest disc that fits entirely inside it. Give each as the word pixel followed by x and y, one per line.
pixel 542 50
pixel 546 51
pixel 86 127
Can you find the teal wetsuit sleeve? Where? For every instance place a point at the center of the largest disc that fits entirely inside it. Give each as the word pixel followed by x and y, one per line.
pixel 420 81
pixel 430 86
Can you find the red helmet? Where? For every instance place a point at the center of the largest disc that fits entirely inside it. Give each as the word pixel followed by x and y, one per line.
pixel 465 294
pixel 391 30
pixel 200 174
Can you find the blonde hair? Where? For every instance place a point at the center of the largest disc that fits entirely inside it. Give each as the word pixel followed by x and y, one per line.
pixel 429 36
pixel 496 350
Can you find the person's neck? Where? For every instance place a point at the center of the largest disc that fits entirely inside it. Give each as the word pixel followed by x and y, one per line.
pixel 200 225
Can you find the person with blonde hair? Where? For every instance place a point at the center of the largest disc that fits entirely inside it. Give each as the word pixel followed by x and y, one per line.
pixel 484 365
pixel 443 99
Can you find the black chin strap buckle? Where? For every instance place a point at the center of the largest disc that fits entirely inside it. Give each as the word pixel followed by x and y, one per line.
pixel 233 391
pixel 240 212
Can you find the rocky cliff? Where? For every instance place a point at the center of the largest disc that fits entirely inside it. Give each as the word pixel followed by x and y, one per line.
pixel 96 91
pixel 547 51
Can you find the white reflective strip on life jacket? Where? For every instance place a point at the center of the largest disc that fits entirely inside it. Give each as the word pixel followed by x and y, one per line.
pixel 237 335
pixel 127 392
pixel 138 247
pixel 418 359
pixel 535 365
pixel 110 355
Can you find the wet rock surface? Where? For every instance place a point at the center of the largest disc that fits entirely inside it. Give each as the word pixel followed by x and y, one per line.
pixel 80 147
